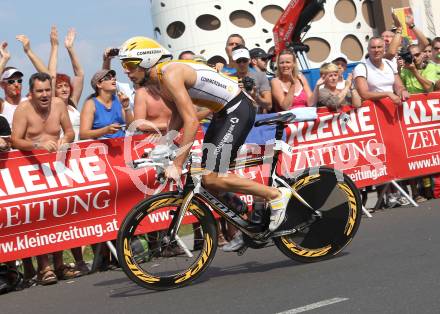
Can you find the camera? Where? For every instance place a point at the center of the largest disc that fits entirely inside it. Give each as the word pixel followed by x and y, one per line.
pixel 406 56
pixel 248 83
pixel 113 52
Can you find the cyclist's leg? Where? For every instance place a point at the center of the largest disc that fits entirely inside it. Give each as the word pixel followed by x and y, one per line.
pixel 227 132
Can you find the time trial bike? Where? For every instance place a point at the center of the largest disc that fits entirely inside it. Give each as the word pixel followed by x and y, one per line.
pixel 322 217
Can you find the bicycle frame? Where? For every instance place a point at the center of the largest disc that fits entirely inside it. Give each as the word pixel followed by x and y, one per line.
pixel 195 190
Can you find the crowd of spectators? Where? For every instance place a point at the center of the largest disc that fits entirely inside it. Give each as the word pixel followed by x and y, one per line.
pixel 48 116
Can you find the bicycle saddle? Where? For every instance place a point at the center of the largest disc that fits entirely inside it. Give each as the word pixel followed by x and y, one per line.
pixel 280 119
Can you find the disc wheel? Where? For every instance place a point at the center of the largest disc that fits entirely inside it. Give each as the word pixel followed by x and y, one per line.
pixel 150 258
pixel 323 235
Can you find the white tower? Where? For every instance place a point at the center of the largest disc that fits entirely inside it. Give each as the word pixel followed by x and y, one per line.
pixel 204 25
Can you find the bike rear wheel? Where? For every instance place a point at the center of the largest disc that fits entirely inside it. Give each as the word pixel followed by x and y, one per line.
pixel 150 259
pixel 338 201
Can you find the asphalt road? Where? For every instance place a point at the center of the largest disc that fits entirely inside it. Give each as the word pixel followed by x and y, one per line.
pixel 392 266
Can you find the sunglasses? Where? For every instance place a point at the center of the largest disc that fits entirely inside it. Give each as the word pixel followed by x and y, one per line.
pixel 108 77
pixel 242 60
pixel 19 81
pixel 130 64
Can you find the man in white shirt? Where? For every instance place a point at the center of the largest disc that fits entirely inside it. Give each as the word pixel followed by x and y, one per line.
pixel 377 78
pixel 11 82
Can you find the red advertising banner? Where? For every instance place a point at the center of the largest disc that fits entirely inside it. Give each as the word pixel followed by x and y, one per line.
pixel 419 134
pixel 352 142
pixel 56 201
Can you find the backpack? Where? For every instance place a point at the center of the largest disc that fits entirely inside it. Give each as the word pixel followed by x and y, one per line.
pixel 5 283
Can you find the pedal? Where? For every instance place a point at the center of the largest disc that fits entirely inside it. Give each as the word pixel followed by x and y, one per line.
pixel 263 236
pixel 241 251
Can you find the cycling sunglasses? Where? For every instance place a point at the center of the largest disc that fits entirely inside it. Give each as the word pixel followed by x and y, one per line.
pixel 19 81
pixel 130 64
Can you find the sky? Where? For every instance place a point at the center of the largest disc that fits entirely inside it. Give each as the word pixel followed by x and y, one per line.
pixel 98 23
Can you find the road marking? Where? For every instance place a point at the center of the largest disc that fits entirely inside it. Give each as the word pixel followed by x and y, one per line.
pixel 314 306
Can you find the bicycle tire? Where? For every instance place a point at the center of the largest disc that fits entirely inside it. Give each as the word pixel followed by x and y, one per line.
pixel 134 262
pixel 338 200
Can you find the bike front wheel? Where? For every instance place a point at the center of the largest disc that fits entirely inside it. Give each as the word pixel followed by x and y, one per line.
pixel 327 232
pixel 154 261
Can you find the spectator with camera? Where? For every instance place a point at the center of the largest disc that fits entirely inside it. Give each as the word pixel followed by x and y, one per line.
pixel 105 113
pixel 125 88
pixel 290 88
pixel 436 60
pixel 417 76
pixel 11 80
pixel 393 38
pixel 254 83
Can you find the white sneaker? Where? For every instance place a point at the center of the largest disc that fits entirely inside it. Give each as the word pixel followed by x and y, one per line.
pixel 235 244
pixel 278 208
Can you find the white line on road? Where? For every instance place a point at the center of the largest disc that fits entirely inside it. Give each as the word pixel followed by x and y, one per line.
pixel 314 306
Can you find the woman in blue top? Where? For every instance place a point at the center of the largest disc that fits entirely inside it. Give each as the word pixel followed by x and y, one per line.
pixel 104 113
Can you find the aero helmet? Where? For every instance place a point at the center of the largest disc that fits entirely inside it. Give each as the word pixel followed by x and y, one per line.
pixel 145 50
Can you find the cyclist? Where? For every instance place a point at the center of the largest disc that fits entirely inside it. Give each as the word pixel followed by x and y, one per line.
pixel 184 84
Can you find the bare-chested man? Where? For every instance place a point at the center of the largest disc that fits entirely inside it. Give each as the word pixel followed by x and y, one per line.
pixel 37 124
pixel 39 120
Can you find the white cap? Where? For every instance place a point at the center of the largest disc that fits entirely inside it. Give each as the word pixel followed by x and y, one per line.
pixel 9 72
pixel 240 53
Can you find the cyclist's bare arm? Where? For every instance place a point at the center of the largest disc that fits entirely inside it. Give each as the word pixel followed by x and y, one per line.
pixel 174 82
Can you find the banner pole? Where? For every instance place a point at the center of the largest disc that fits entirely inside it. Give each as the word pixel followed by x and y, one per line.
pixel 366 212
pixel 404 193
pixel 112 249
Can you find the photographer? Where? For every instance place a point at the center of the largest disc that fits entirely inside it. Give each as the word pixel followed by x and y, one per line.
pixel 417 76
pixel 254 83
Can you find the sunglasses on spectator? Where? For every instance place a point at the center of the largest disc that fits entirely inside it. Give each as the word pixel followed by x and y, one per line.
pixel 108 77
pixel 19 81
pixel 130 64
pixel 242 60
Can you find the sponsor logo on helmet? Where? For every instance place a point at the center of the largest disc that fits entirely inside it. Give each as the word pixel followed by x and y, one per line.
pixel 148 52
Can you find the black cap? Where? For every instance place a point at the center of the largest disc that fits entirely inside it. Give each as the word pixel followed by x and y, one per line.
pixel 259 53
pixel 343 59
pixel 5 129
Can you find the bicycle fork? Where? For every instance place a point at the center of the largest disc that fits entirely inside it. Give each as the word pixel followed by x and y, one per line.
pixel 177 221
